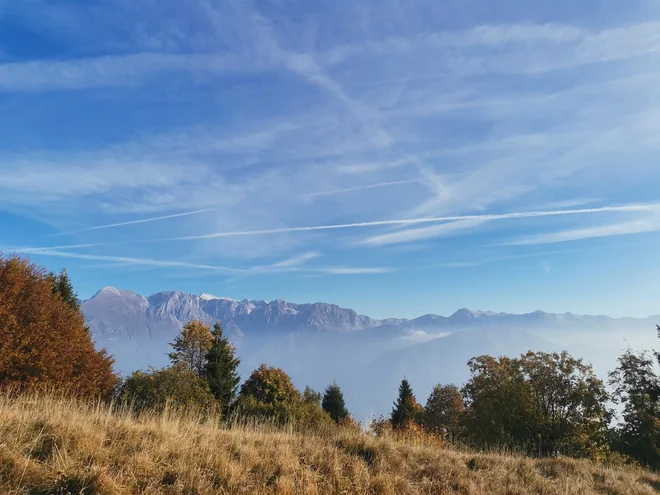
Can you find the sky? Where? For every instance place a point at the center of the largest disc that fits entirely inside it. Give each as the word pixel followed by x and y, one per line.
pixel 396 157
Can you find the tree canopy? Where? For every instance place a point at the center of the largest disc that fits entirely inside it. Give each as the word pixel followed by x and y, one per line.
pixel 444 409
pixel 191 347
pixel 43 338
pixel 541 403
pixel 637 389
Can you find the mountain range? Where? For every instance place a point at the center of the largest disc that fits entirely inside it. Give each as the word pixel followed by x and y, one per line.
pixel 113 313
pixel 318 343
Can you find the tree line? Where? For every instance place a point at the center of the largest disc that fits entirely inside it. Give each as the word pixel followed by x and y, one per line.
pixel 540 404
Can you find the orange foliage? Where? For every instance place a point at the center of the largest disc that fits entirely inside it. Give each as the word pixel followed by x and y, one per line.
pixel 43 340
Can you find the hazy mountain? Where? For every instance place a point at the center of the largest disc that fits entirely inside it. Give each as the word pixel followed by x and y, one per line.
pixel 114 313
pixel 317 343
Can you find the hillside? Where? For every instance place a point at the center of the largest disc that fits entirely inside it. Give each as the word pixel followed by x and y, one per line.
pixel 49 445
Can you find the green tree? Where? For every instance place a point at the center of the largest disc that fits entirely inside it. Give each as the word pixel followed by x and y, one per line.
pixel 191 347
pixel 269 394
pixel 406 409
pixel 220 369
pixel 63 287
pixel 542 403
pixel 176 386
pixel 443 411
pixel 637 388
pixel 311 396
pixel 269 385
pixel 333 403
pixel 498 402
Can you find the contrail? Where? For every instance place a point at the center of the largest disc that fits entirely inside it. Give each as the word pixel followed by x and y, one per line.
pixel 377 223
pixel 413 221
pixel 372 186
pixel 133 222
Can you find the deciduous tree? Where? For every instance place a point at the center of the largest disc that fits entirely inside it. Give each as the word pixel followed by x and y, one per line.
pixel 541 403
pixel 191 346
pixel 43 338
pixel 637 388
pixel 443 411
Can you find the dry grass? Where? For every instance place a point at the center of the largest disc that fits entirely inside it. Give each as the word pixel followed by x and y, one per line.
pixel 51 446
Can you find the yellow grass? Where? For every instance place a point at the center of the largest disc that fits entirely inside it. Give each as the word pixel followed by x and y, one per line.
pixel 50 445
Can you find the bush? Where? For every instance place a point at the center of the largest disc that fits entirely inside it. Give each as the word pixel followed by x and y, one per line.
pixel 175 386
pixel 411 433
pixel 268 395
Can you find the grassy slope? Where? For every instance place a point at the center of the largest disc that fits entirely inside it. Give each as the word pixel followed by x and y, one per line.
pixel 50 446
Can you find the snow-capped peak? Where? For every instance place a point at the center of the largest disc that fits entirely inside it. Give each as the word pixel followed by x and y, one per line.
pixel 108 290
pixel 211 297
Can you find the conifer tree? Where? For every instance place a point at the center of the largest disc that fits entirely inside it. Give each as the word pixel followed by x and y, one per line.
pixel 406 407
pixel 333 403
pixel 220 369
pixel 64 288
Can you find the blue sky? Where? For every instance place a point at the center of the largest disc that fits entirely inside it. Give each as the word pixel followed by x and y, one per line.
pixel 395 157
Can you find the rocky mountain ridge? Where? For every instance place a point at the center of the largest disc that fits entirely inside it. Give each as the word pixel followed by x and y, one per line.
pixel 112 313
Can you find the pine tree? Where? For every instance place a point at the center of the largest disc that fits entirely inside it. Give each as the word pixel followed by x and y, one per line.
pixel 406 407
pixel 221 367
pixel 64 288
pixel 333 403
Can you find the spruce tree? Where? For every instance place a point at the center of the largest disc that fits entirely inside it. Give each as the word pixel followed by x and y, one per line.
pixel 333 403
pixel 220 369
pixel 63 287
pixel 406 407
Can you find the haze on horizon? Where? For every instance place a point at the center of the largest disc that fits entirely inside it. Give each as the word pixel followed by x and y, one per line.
pixel 396 158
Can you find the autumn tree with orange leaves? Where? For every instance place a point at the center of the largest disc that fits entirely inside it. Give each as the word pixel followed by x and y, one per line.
pixel 43 338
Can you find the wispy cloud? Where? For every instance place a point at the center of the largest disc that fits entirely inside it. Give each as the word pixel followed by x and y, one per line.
pixel 477 261
pixel 617 229
pixel 342 270
pixel 291 264
pixel 413 221
pixel 127 260
pixel 555 47
pixel 409 235
pixel 108 71
pixel 296 260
